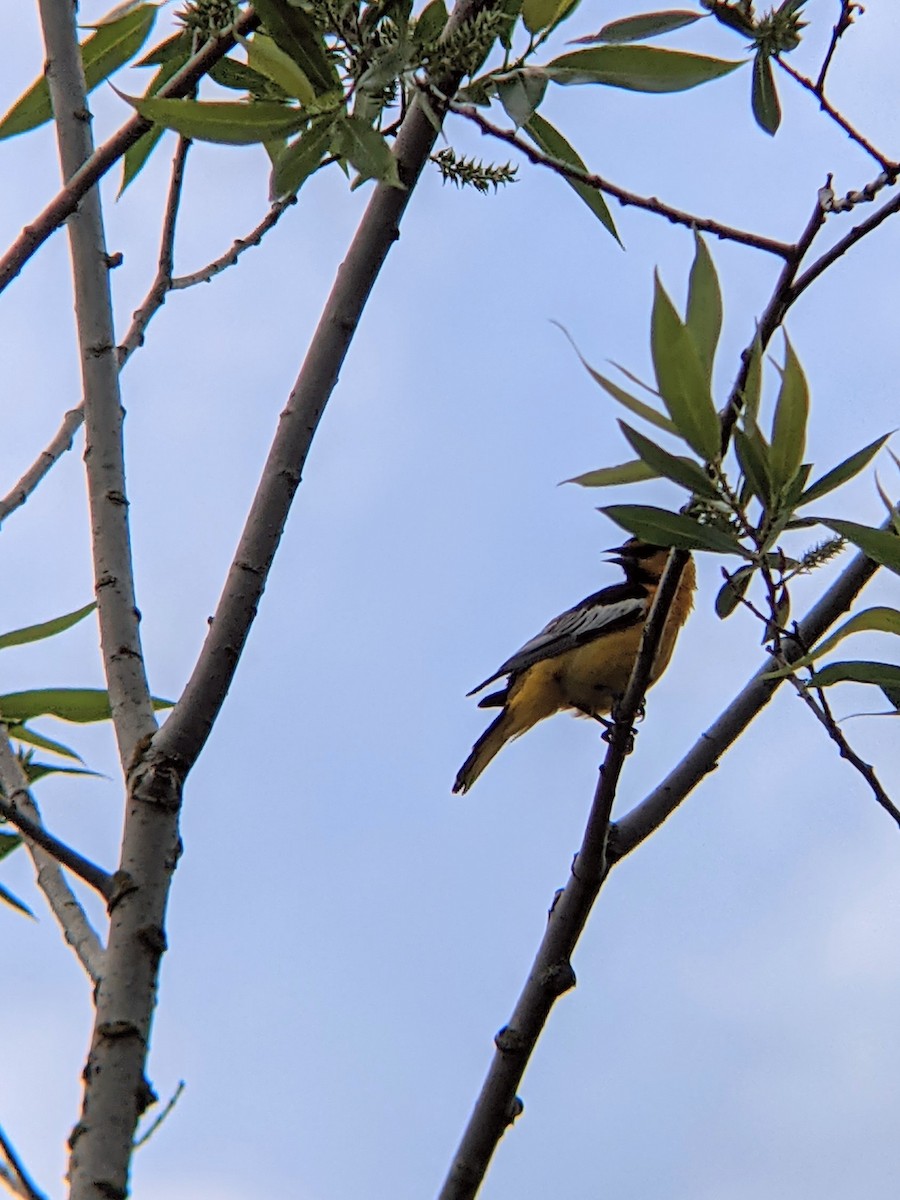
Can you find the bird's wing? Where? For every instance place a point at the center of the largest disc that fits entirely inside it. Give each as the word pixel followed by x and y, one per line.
pixel 615 607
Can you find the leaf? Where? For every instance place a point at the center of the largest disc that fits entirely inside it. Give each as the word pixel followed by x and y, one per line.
pixel 870 620
pixel 298 160
pixel 752 392
pixel 683 471
pixel 552 142
pixel 234 123
pixel 630 472
pixel 366 149
pixel 663 528
pixel 704 307
pixel 21 733
pixel 265 56
pixel 789 424
pixel 8 898
pixel 883 675
pixel 297 35
pixel 842 472
pixel 681 378
pixel 753 458
pixel 878 544
pixel 8 843
pixel 37 770
pixel 237 76
pixel 430 23
pixel 521 92
pixel 733 591
pixel 136 156
pixel 46 629
pixel 764 97
pixel 82 705
pixel 541 14
pixel 177 47
pixel 635 29
pixel 638 68
pixel 101 54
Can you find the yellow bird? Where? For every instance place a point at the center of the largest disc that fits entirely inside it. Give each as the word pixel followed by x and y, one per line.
pixel 583 659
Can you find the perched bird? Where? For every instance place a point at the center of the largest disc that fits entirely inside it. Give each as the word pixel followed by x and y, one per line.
pixel 583 659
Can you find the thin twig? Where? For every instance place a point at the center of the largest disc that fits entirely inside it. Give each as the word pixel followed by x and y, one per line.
pixel 35 832
pixel 158 1120
pixel 841 247
pixel 843 23
pixel 162 284
pixel 230 257
pixel 28 1187
pixel 822 712
pixel 62 441
pixel 648 203
pixel 888 165
pixel 63 902
pixel 65 202
pixel 551 974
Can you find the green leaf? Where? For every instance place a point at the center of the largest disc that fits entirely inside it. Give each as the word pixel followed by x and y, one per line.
pixel 82 705
pixel 638 68
pixel 265 56
pixel 704 307
pixel 630 472
pixel 733 591
pixel 521 92
pixel 552 142
pixel 878 544
pixel 430 23
pixel 46 629
pixel 21 733
pixel 37 770
pixel 8 843
pixel 542 14
pixel 298 160
pixel 843 472
pixel 764 97
pixel 8 898
pixel 635 29
pixel 663 528
pixel 231 122
pixel 870 620
pixel 753 458
pixel 752 392
pixel 681 378
pixel 101 54
pixel 883 675
pixel 638 407
pixel 789 424
pixel 175 48
pixel 238 77
pixel 136 156
pixel 683 471
pixel 366 150
pixel 297 35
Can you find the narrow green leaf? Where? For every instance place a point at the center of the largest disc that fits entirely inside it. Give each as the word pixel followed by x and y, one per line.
pixel 752 393
pixel 870 620
pixel 177 47
pixel 764 97
pixel 883 675
pixel 109 48
pixel 8 843
pixel 82 705
pixel 136 156
pixel 552 142
pixel 366 149
pixel 541 14
pixel 230 122
pixel 37 770
pixel 630 472
pixel 878 544
pixel 681 378
pixel 521 92
pixel 680 470
pixel 753 458
pixel 430 23
pixel 238 77
pixel 298 160
pixel 635 29
pixel 789 424
pixel 843 471
pixel 663 528
pixel 733 591
pixel 46 629
pixel 8 898
pixel 297 35
pixel 21 733
pixel 269 59
pixel 638 68
pixel 704 307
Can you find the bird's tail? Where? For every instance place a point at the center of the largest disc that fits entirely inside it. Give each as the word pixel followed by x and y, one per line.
pixel 508 725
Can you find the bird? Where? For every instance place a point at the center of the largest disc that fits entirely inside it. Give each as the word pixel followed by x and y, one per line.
pixel 583 659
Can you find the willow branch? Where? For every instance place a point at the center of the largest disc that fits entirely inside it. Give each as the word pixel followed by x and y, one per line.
pixel 648 203
pixel 94 167
pixel 19 807
pixel 20 1180
pixel 843 23
pixel 238 247
pixel 841 247
pixel 62 441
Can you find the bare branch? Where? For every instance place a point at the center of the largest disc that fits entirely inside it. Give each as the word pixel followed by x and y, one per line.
pixel 26 1185
pixel 62 900
pixel 162 284
pixel 843 23
pixel 158 1120
pixel 129 694
pixel 83 178
pixel 35 832
pixel 840 248
pixel 230 257
pixel 648 203
pixel 62 441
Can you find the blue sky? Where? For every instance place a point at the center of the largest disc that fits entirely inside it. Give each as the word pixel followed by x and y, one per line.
pixel 346 937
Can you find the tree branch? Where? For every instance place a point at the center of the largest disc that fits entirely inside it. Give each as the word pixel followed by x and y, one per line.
pixel 26 1185
pixel 95 166
pixel 35 832
pixel 841 247
pixel 64 905
pixel 230 257
pixel 843 23
pixel 62 441
pixel 648 203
